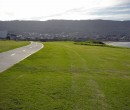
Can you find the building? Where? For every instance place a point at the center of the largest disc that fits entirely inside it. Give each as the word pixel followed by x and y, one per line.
pixel 11 36
pixel 3 34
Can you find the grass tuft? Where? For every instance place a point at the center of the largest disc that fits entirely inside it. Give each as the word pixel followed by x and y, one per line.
pixel 6 45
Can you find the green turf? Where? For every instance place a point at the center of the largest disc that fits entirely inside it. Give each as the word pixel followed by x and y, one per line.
pixel 66 76
pixel 6 45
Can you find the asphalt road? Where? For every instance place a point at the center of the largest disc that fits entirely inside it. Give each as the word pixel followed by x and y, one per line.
pixel 11 57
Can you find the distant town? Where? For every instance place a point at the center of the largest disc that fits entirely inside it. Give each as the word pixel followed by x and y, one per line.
pixel 76 36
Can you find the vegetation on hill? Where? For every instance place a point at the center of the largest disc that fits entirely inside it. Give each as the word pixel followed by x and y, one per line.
pixel 58 26
pixel 65 76
pixel 91 43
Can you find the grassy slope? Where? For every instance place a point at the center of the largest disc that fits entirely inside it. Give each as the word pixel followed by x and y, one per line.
pixel 8 45
pixel 65 76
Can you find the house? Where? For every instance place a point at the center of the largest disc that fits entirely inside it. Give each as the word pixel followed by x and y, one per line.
pixel 3 34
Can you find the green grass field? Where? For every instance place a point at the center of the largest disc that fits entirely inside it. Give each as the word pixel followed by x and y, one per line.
pixel 6 45
pixel 66 76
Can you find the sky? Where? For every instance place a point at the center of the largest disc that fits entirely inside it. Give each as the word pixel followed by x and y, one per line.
pixel 64 9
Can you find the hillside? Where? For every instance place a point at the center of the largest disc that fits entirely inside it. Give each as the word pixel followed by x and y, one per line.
pixel 84 28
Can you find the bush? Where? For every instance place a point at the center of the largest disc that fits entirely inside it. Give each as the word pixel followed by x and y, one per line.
pixel 92 43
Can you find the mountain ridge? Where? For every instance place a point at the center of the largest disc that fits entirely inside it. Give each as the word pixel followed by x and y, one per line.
pixel 87 28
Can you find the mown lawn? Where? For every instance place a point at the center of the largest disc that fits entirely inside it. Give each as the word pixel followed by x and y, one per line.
pixel 66 76
pixel 6 45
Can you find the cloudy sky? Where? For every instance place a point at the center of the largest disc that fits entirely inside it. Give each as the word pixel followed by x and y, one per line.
pixel 64 9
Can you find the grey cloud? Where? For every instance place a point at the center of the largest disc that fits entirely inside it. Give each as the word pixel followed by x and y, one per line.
pixel 113 11
pixel 118 12
pixel 60 14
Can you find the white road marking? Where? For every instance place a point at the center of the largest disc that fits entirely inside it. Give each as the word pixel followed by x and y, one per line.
pixel 12 54
pixel 24 50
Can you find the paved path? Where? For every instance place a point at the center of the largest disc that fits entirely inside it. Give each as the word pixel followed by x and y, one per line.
pixel 11 57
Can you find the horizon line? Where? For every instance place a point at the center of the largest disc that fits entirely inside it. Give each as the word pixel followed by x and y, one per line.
pixel 67 20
